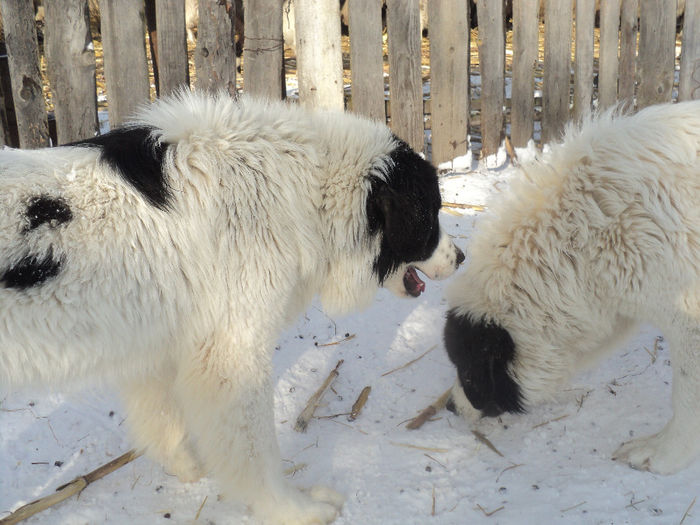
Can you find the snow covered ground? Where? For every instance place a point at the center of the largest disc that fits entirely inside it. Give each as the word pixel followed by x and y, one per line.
pixel 555 465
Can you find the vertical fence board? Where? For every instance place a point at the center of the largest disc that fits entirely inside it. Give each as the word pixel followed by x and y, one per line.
pixel 215 56
pixel 689 84
pixel 583 67
pixel 123 42
pixel 5 138
pixel 366 62
pixel 657 48
pixel 628 50
pixel 449 78
pixel 557 69
pixel 70 60
pixel 173 70
pixel 263 54
pixel 4 129
pixel 7 106
pixel 492 56
pixel 319 57
pixel 23 59
pixel 405 84
pixel 525 32
pixel 608 57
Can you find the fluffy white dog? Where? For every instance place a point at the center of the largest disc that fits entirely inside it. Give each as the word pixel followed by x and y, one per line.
pixel 603 235
pixel 167 256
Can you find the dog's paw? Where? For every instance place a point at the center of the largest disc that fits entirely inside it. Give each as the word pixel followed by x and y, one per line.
pixel 653 453
pixel 460 405
pixel 327 495
pixel 321 505
pixel 183 465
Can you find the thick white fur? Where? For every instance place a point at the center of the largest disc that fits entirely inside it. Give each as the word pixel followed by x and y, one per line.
pixel 180 308
pixel 601 235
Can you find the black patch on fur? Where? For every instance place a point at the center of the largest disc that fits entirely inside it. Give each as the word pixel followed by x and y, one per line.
pixel 137 157
pixel 482 351
pixel 31 271
pixel 404 208
pixel 45 209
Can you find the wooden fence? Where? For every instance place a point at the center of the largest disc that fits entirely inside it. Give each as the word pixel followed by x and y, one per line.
pixel 564 57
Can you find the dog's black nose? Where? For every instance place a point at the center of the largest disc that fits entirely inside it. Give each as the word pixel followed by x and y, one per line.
pixel 460 256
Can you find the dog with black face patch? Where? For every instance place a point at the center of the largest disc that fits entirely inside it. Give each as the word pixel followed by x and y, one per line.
pixel 599 236
pixel 166 256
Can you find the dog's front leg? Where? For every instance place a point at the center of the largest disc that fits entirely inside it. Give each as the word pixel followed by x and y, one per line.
pixel 157 426
pixel 677 445
pixel 227 399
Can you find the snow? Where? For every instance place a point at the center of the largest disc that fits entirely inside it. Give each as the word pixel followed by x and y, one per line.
pixel 555 465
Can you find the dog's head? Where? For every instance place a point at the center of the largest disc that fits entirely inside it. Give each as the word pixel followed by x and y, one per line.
pixel 483 353
pixel 402 209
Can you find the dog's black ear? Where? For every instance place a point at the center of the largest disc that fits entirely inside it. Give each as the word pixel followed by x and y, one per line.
pixel 403 223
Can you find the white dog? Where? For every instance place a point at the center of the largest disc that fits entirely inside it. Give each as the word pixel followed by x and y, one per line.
pixel 167 256
pixel 602 236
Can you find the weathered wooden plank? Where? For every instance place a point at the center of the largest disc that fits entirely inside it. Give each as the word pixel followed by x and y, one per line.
pixel 366 59
pixel 449 78
pixel 492 57
pixel 319 56
pixel 70 64
pixel 4 129
pixel 23 59
pixel 173 70
pixel 405 85
pixel 122 25
pixel 491 44
pixel 215 56
pixel 7 111
pixel 689 82
pixel 628 50
pixel 557 67
pixel 608 54
pixel 525 33
pixel 583 66
pixel 657 46
pixel 263 54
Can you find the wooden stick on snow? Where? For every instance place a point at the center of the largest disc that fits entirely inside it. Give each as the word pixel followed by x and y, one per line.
pixel 430 411
pixel 69 489
pixel 359 404
pixel 314 401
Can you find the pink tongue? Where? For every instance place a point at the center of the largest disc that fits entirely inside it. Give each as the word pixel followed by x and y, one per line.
pixel 414 285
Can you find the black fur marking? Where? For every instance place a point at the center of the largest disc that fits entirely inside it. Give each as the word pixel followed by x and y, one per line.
pixel 31 271
pixel 45 209
pixel 482 351
pixel 404 208
pixel 134 153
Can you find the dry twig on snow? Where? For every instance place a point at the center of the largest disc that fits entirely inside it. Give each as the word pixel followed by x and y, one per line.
pixel 687 511
pixel 480 437
pixel 538 425
pixel 347 338
pixel 417 447
pixel 475 207
pixel 411 361
pixel 430 411
pixel 360 403
pixel 69 489
pixel 489 513
pixel 314 400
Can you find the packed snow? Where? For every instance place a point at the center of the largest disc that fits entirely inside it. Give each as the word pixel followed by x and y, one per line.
pixel 551 465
